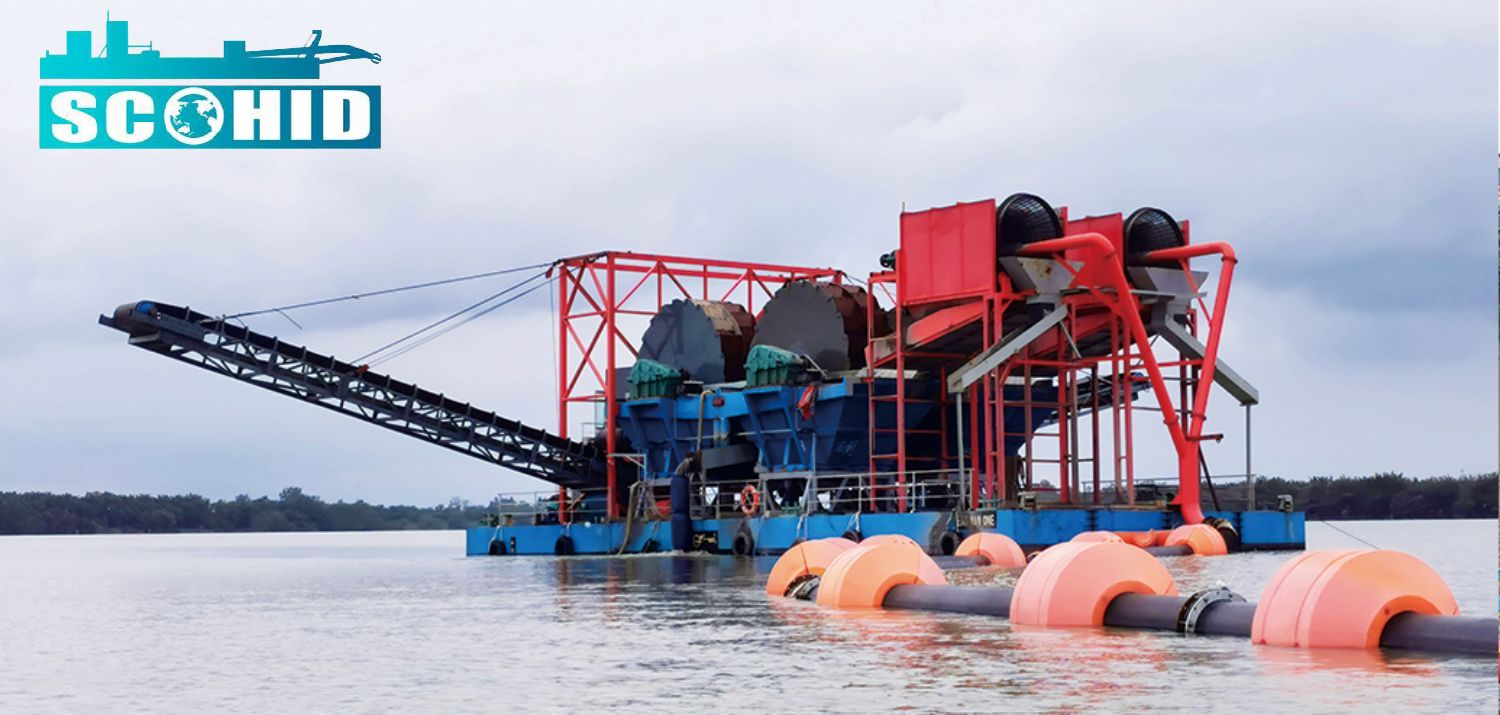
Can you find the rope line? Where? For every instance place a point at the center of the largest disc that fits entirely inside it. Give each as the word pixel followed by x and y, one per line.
pixel 1345 533
pixel 472 316
pixel 384 291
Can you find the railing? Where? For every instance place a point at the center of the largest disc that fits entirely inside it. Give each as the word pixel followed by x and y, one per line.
pixel 1234 492
pixel 843 493
pixel 540 507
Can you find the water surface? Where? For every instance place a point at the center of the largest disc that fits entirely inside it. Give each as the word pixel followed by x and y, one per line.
pixel 401 621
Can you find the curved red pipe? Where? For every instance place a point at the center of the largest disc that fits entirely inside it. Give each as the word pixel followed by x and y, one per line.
pixel 1097 247
pixel 1211 350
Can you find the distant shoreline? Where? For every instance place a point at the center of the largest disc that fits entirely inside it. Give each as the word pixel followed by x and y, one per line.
pixel 1382 497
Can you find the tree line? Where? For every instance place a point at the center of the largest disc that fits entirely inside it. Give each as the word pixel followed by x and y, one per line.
pixel 1382 496
pixel 292 510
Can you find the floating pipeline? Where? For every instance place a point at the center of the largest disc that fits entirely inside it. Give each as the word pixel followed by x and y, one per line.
pixel 810 559
pixel 803 565
pixel 1202 539
pixel 1320 599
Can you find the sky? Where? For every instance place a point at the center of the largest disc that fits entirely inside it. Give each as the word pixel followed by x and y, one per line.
pixel 1346 149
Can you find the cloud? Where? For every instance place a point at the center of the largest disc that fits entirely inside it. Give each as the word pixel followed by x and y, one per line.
pixel 1344 148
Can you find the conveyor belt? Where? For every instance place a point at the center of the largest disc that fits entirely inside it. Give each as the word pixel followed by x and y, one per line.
pixel 265 361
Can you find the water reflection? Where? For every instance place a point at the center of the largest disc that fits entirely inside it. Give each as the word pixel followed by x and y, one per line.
pixel 399 622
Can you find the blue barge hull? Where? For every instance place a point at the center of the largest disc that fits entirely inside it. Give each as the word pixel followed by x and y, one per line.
pixel 1259 530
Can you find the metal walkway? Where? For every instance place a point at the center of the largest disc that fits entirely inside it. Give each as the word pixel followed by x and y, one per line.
pixel 265 361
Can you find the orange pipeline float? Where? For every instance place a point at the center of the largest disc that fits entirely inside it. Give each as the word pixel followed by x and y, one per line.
pixel 1321 599
pixel 1189 539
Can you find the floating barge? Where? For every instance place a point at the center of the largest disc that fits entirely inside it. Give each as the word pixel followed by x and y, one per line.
pixel 994 376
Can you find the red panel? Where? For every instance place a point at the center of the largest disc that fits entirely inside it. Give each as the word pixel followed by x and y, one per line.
pixel 941 322
pixel 1111 227
pixel 947 253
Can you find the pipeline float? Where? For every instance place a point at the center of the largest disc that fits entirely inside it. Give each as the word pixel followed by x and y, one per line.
pixel 1318 599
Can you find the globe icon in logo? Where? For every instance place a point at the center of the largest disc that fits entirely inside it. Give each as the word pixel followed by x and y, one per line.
pixel 193 115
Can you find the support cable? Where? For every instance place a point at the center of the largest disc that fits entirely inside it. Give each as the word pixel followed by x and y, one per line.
pixel 384 291
pixel 462 317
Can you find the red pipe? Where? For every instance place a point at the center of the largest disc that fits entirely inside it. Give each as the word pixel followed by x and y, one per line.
pixel 1130 313
pixel 1215 326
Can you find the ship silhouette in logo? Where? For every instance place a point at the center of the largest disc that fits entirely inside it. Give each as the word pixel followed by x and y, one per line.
pixel 116 61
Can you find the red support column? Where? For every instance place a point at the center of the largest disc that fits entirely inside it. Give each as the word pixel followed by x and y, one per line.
pixel 1094 430
pixel 612 509
pixel 563 306
pixel 976 457
pixel 900 407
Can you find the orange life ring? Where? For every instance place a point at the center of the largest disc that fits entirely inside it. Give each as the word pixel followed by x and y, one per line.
pixel 749 500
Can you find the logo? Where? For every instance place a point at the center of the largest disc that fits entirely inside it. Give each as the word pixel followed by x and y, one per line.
pixel 202 115
pixel 194 115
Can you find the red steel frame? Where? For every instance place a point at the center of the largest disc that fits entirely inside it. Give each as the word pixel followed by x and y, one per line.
pixel 1186 431
pixel 1130 351
pixel 1069 370
pixel 591 299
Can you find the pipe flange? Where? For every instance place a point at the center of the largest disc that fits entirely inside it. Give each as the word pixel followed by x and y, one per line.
pixel 802 590
pixel 1198 603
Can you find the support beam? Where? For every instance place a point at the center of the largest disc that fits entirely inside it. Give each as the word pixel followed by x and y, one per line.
pixel 1178 336
pixel 984 363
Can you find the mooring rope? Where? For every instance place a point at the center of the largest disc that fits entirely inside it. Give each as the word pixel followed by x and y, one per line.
pixel 1345 533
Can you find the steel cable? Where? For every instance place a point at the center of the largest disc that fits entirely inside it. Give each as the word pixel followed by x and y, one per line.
pixel 383 291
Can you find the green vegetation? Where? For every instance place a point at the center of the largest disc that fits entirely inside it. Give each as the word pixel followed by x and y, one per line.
pixel 1383 496
pixel 106 513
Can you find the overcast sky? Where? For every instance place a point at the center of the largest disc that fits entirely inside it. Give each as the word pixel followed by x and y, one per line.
pixel 1346 149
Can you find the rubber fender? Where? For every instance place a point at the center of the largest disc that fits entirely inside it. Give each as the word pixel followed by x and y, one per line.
pixel 497 547
pixel 861 576
pixel 1203 539
pixel 563 546
pixel 947 543
pixel 1226 529
pixel 999 549
pixel 744 544
pixel 854 535
pixel 1098 536
pixel 1142 539
pixel 1344 598
pixel 804 561
pixel 1071 584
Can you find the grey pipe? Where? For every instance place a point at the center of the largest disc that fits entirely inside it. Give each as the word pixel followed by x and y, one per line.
pixel 949 563
pixel 976 600
pixel 1178 550
pixel 1449 634
pixel 1205 613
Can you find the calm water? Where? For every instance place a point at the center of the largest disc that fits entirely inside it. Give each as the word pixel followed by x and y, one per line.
pixel 401 621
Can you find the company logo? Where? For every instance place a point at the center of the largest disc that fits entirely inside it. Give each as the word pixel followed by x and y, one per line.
pixel 194 115
pixel 203 115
